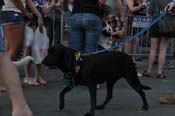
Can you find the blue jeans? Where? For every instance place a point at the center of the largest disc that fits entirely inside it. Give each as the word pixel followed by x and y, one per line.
pixel 2 44
pixel 85 31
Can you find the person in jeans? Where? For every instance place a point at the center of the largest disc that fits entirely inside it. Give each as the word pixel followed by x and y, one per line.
pixel 85 26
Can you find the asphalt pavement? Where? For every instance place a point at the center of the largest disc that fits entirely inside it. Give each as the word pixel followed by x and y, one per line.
pixel 43 100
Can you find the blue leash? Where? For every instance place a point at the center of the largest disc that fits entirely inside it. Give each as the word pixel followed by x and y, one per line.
pixel 135 36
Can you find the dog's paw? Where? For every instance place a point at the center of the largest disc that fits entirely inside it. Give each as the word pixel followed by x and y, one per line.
pixel 88 114
pixel 61 107
pixel 141 109
pixel 101 107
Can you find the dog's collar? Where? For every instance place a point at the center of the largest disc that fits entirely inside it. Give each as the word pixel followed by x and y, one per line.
pixel 76 68
pixel 78 60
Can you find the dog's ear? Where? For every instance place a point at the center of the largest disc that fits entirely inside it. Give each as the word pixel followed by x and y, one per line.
pixel 54 57
pixel 55 47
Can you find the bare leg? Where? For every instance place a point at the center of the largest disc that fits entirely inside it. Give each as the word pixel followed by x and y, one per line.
pixel 27 67
pixel 14 40
pixel 10 79
pixel 38 77
pixel 28 71
pixel 162 54
pixel 153 49
pixel 134 48
pixel 127 47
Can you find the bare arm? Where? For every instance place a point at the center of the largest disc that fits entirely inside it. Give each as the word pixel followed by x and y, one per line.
pixel 33 8
pixel 120 9
pixel 170 6
pixel 118 33
pixel 37 13
pixel 51 6
pixel 132 8
pixel 19 5
pixel 58 2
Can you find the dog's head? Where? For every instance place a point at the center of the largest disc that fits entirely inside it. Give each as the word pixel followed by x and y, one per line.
pixel 61 57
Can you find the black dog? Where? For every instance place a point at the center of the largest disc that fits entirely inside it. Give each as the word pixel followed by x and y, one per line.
pixel 94 69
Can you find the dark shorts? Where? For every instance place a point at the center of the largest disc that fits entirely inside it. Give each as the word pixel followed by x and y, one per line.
pixel 11 17
pixel 2 44
pixel 154 31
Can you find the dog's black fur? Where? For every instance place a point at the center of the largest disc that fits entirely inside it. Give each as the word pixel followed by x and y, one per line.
pixel 106 67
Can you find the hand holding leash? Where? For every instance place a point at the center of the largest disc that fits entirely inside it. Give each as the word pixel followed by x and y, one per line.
pixel 170 6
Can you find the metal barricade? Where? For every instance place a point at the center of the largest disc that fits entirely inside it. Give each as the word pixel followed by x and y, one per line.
pixel 64 17
pixel 132 26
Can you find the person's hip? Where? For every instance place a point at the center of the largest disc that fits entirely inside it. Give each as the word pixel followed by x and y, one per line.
pixel 11 17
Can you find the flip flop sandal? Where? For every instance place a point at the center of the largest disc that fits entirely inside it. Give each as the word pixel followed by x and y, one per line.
pixel 31 82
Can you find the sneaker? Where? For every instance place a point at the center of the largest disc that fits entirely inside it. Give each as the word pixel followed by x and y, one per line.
pixel 167 100
pixel 139 74
pixel 146 74
pixel 168 66
pixel 161 76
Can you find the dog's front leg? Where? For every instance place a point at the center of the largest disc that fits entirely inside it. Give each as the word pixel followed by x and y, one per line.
pixel 62 95
pixel 93 95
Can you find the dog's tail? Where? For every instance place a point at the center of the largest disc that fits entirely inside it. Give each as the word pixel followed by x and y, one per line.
pixel 23 61
pixel 146 87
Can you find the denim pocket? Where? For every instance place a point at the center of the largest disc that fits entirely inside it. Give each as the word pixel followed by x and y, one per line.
pixel 92 21
pixel 75 21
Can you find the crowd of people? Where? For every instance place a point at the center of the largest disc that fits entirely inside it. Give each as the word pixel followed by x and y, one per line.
pixel 93 25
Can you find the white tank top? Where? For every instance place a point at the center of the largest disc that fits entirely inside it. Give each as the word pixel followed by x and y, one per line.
pixel 9 6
